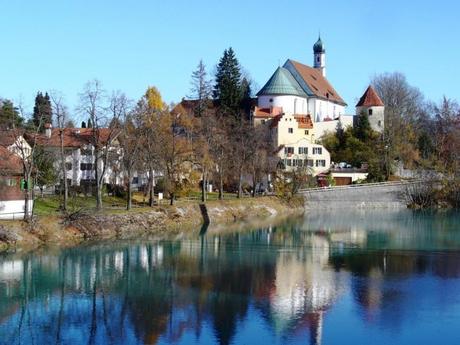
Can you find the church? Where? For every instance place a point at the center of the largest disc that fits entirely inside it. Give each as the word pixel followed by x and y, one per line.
pixel 300 105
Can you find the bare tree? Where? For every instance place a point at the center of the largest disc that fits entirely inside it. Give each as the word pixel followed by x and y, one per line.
pixel 131 140
pixel 60 114
pixel 105 127
pixel 26 151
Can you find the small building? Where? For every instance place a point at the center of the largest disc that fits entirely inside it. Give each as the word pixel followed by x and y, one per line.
pixel 371 104
pixel 12 202
pixel 79 151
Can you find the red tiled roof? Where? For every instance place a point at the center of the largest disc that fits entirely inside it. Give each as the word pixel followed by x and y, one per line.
pixel 9 162
pixel 318 84
pixel 73 137
pixel 370 99
pixel 304 121
pixel 9 137
pixel 267 112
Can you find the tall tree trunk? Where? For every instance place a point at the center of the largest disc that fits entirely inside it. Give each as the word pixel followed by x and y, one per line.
pixel 98 183
pixel 240 183
pixel 64 174
pixel 203 187
pixel 221 185
pixel 254 183
pixel 130 197
pixel 151 188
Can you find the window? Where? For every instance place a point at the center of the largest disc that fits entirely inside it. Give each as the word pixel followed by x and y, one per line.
pixel 86 166
pixel 307 132
pixel 86 152
pixel 290 130
pixel 380 123
pixel 288 162
pixel 370 111
pixel 271 100
pixel 303 150
pixel 320 162
pixel 317 58
pixel 10 182
pixel 68 166
pixel 308 162
pixel 288 150
pixel 317 150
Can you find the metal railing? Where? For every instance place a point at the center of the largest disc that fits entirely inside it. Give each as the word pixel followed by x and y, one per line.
pixel 358 186
pixel 11 215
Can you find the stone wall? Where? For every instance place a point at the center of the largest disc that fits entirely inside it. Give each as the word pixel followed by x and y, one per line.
pixel 384 195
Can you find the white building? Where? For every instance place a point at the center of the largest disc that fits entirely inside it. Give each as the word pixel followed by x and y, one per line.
pixel 80 154
pixel 300 105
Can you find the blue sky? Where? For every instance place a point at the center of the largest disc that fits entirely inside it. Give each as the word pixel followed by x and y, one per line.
pixel 128 45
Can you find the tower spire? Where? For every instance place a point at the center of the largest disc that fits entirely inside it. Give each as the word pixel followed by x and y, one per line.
pixel 319 55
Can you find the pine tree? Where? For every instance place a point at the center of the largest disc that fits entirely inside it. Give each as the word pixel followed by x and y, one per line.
pixel 83 124
pixel 363 130
pixel 201 88
pixel 227 88
pixel 340 134
pixel 89 123
pixel 42 110
pixel 246 100
pixel 9 115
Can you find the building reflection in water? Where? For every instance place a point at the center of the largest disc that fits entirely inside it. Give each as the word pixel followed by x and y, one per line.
pixel 289 277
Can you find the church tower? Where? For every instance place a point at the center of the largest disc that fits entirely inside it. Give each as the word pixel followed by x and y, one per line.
pixel 372 105
pixel 319 56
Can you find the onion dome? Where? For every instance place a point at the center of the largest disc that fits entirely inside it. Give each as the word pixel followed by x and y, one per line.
pixel 318 47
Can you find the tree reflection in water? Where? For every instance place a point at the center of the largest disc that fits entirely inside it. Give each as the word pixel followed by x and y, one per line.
pixel 276 284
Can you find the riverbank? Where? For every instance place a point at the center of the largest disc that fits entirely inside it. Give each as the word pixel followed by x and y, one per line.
pixel 160 222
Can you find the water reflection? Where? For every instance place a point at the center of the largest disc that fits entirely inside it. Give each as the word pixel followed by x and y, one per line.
pixel 307 281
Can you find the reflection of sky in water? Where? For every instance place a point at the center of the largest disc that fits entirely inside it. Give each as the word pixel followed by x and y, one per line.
pixel 379 277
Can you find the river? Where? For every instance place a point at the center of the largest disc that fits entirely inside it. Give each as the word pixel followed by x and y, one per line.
pixel 346 277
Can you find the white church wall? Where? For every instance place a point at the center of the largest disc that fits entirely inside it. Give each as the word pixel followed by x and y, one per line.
pixel 290 104
pixel 323 127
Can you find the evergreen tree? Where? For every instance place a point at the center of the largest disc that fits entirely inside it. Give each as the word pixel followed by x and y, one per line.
pixel 9 115
pixel 201 88
pixel 42 110
pixel 89 124
pixel 363 130
pixel 227 88
pixel 83 124
pixel 246 100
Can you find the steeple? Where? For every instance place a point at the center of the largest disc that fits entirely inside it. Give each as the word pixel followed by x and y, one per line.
pixel 319 56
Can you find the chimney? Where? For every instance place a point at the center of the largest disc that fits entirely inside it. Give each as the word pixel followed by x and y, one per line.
pixel 48 128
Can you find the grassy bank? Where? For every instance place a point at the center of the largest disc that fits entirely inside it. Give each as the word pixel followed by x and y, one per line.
pixel 50 226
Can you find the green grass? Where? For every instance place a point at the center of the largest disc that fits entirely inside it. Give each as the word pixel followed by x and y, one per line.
pixel 50 205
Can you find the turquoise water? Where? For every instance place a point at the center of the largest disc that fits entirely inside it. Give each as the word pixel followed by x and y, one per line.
pixel 380 277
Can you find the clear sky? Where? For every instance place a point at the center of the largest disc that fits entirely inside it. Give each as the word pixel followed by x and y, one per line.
pixel 128 45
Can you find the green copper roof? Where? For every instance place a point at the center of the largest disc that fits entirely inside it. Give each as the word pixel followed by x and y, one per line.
pixel 282 83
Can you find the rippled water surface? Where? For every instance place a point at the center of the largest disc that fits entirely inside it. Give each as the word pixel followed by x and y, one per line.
pixel 375 277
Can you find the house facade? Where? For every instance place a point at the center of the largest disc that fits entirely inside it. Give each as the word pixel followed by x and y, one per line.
pixel 12 202
pixel 79 150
